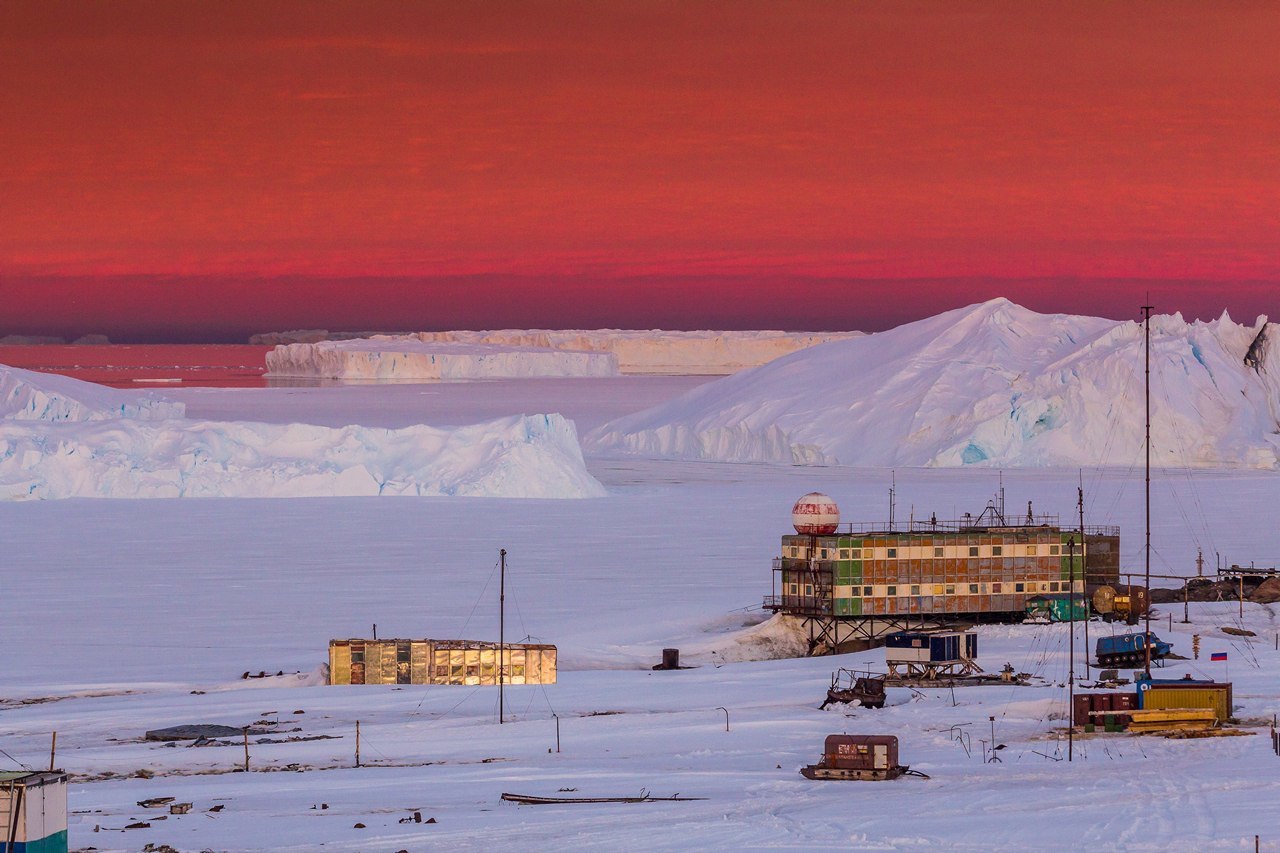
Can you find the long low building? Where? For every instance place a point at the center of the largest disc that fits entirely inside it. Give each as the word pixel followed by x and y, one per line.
pixel 439 662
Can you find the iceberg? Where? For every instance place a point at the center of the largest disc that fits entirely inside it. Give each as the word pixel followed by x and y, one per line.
pixel 317 353
pixel 401 358
pixel 62 438
pixel 990 385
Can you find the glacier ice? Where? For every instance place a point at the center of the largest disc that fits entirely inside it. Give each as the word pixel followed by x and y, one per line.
pixel 62 438
pixel 28 395
pixel 992 384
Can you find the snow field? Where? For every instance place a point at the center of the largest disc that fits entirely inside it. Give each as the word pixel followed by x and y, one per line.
pixel 189 594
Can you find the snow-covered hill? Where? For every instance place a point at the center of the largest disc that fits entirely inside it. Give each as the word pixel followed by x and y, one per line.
pixel 990 384
pixel 61 438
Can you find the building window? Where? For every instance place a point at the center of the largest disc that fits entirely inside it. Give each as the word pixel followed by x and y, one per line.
pixel 893 553
pixel 855 553
pixel 1020 587
pixel 997 550
pixel 938 552
pixel 795 589
pixel 1031 550
pixel 951 589
pixel 1053 586
pixel 973 589
pixel 844 553
pixel 1055 550
pixel 973 550
pixel 995 588
pixel 915 589
pixel 824 553
pixel 866 590
pixel 893 590
pixel 808 590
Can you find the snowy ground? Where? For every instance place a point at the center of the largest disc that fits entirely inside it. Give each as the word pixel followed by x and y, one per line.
pixel 116 611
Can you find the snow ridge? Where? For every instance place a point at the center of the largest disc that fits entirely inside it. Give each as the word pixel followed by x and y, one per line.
pixel 992 384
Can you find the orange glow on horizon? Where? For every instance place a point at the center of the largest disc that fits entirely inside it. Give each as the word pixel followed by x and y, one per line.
pixel 749 140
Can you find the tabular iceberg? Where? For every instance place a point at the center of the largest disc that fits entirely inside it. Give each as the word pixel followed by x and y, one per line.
pixel 480 354
pixel 992 384
pixel 28 395
pixel 405 358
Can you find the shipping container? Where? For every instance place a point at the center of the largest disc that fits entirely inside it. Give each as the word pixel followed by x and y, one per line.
pixel 33 811
pixel 439 662
pixel 1167 695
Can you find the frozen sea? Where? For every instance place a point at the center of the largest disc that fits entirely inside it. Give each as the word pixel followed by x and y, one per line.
pixel 121 616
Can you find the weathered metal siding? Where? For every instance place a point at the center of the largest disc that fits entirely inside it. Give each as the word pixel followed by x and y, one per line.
pixel 941 573
pixel 439 662
pixel 40 800
pixel 861 752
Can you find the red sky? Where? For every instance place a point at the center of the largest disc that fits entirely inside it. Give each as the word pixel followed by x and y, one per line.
pixel 173 169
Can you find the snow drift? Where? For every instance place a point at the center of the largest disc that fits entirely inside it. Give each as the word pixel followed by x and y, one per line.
pixel 384 357
pixel 62 438
pixel 990 384
pixel 636 351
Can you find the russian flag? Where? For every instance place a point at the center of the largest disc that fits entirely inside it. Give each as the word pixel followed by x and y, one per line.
pixel 1218 656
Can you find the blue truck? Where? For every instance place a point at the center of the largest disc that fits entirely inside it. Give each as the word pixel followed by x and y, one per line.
pixel 1130 649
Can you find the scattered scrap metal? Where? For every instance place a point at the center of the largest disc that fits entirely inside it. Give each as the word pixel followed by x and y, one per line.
pixel 645 797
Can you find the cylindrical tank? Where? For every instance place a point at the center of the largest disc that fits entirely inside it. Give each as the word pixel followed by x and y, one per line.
pixel 815 514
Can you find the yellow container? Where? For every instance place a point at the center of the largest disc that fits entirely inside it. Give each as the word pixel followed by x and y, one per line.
pixel 1159 698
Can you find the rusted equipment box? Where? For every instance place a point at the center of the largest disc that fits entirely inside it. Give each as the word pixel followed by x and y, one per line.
pixel 1104 709
pixel 439 662
pixel 861 757
pixel 33 812
pixel 1188 695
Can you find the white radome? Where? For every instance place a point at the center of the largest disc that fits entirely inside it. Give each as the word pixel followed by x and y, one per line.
pixel 815 513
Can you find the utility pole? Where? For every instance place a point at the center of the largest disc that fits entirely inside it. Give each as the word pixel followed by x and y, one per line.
pixel 1146 330
pixel 502 624
pixel 1071 654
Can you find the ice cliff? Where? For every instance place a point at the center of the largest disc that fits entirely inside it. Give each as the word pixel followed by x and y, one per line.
pixel 27 395
pixel 990 384
pixel 62 438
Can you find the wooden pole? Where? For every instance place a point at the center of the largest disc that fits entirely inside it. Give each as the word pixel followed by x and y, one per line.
pixel 53 750
pixel 246 749
pixel 357 743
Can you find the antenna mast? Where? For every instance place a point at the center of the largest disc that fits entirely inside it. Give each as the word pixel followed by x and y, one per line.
pixel 1146 329
pixel 1084 572
pixel 893 484
pixel 502 624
